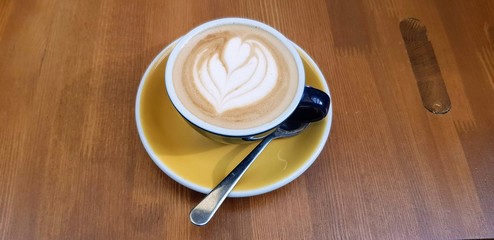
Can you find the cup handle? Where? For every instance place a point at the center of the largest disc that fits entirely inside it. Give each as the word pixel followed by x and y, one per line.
pixel 313 106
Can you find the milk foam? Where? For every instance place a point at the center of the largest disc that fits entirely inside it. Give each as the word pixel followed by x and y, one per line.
pixel 236 75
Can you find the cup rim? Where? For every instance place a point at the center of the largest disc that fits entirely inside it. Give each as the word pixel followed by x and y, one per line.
pixel 218 130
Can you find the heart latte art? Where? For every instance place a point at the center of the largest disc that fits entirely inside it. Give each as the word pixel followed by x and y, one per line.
pixel 240 74
pixel 235 76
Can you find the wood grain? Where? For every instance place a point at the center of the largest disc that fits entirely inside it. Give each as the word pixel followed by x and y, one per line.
pixel 72 165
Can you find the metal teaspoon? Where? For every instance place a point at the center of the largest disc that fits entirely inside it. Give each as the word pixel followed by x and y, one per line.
pixel 204 211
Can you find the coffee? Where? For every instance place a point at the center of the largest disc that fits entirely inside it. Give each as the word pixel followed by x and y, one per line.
pixel 235 76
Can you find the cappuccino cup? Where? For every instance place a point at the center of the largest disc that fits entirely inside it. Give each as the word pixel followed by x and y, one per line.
pixel 235 80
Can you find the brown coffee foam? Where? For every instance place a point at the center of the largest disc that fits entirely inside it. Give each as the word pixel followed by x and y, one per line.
pixel 256 114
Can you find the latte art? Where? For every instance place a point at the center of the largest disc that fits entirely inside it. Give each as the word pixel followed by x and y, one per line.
pixel 235 76
pixel 243 73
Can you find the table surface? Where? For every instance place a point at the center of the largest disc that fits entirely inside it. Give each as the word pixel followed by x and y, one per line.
pixel 72 165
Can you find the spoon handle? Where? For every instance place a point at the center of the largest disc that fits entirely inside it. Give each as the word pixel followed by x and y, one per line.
pixel 204 211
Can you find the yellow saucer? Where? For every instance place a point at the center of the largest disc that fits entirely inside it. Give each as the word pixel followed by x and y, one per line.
pixel 200 163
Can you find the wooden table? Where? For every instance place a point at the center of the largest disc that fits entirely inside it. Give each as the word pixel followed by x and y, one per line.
pixel 72 165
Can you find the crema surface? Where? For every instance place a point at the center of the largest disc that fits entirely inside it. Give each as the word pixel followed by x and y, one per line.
pixel 235 76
